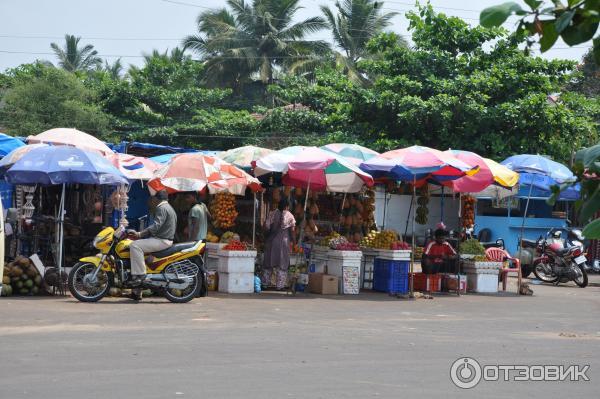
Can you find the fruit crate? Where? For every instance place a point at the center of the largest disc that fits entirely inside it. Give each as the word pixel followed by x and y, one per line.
pixel 427 282
pixel 394 254
pixel 390 276
pixel 236 261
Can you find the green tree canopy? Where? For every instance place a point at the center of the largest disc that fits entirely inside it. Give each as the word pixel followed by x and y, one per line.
pixel 37 97
pixel 448 92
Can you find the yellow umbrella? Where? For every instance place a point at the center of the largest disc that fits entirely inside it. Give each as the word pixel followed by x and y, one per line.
pixel 502 175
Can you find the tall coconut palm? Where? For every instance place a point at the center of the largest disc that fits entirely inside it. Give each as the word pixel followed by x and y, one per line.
pixel 115 70
pixel 356 22
pixel 254 39
pixel 73 58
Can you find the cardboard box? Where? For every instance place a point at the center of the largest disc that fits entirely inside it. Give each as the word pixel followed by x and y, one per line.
pixel 324 284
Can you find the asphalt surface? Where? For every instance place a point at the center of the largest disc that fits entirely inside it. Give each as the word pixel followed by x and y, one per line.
pixel 277 346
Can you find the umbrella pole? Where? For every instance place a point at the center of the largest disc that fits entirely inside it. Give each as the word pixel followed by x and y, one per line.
pixel 254 221
pixel 385 201
pixel 442 206
pixel 412 253
pixel 524 216
pixel 303 224
pixel 342 211
pixel 408 217
pixel 458 243
pixel 61 239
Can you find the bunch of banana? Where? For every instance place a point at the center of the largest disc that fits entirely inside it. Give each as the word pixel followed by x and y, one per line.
pixel 422 210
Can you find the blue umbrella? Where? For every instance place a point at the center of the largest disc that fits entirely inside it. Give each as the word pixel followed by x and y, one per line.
pixel 63 165
pixel 541 165
pixel 536 165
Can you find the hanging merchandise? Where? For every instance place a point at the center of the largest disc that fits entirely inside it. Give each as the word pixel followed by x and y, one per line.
pixel 422 210
pixel 468 206
pixel 28 207
pixel 368 213
pixel 223 210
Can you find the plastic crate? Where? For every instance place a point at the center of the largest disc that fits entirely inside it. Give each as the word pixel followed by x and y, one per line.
pixel 390 276
pixel 427 282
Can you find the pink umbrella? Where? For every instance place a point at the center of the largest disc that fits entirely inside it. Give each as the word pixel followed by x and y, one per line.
pixel 72 137
pixel 314 168
pixel 489 173
pixel 134 168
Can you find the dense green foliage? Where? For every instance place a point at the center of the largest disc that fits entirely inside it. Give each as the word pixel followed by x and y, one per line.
pixel 457 86
pixel 38 97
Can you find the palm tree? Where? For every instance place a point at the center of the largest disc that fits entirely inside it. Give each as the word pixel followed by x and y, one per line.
pixel 258 38
pixel 72 58
pixel 356 22
pixel 115 70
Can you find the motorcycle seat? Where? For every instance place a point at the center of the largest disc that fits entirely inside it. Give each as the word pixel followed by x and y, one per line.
pixel 529 243
pixel 173 249
pixel 492 244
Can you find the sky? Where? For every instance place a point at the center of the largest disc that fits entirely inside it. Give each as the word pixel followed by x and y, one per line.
pixel 127 29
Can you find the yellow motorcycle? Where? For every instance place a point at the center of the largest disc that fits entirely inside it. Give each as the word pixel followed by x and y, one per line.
pixel 177 272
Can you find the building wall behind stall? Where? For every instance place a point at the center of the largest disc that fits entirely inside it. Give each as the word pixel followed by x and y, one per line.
pixel 397 213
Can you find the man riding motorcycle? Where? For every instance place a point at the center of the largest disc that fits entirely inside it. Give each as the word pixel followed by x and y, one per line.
pixel 157 237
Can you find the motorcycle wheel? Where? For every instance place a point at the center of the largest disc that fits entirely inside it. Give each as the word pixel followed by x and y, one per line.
pixel 540 273
pixel 182 296
pixel 581 280
pixel 86 291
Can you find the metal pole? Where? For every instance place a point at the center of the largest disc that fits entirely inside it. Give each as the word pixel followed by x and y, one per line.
pixel 254 221
pixel 408 217
pixel 342 211
pixel 458 244
pixel 61 239
pixel 442 206
pixel 524 216
pixel 303 224
pixel 412 253
pixel 385 202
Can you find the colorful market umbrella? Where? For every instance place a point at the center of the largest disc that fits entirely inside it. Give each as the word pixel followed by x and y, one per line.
pixel 536 165
pixel 243 157
pixel 12 157
pixel 539 164
pixel 49 165
pixel 416 163
pixel 315 169
pixel 196 172
pixel 70 137
pixel 133 167
pixel 352 152
pixel 490 172
pixel 8 144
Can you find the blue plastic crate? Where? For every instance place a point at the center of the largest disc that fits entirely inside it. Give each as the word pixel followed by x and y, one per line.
pixel 390 276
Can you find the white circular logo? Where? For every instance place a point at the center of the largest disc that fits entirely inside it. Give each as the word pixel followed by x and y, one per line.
pixel 465 373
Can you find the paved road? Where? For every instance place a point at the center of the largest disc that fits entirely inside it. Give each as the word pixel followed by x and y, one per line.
pixel 275 346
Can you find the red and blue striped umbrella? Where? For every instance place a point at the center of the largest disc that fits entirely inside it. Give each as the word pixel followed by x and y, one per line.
pixel 417 163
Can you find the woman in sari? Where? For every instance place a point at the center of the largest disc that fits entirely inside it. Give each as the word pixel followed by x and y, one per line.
pixel 280 231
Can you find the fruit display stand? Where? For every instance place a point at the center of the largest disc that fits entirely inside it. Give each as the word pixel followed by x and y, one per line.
pixel 212 257
pixel 347 266
pixel 236 270
pixel 482 276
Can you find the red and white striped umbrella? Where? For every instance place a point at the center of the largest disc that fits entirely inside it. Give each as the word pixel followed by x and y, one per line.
pixel 197 172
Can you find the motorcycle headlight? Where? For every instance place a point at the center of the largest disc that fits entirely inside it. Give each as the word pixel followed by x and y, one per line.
pixel 97 240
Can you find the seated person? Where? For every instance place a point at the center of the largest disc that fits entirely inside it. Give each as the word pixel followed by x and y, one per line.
pixel 439 256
